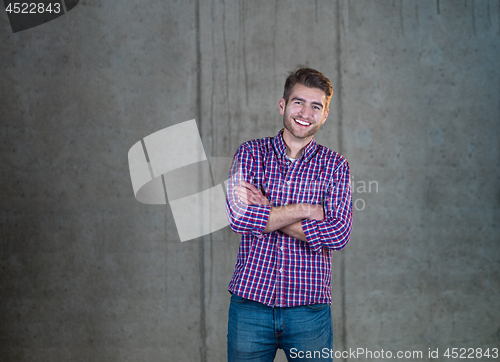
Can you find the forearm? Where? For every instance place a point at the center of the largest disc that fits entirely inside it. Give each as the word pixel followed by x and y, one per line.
pixel 283 216
pixel 295 230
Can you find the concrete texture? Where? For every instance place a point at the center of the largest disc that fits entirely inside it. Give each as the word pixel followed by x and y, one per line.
pixel 90 274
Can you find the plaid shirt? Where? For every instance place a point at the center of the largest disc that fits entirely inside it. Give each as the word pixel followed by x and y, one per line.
pixel 276 269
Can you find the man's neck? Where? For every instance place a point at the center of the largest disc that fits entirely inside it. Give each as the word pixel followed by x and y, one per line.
pixel 294 146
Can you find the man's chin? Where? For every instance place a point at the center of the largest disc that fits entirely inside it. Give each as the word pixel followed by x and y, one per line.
pixel 302 136
pixel 306 134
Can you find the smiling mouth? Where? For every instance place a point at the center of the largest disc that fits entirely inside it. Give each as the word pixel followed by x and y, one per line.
pixel 302 123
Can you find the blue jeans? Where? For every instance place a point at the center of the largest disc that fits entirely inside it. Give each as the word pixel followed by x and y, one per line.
pixel 256 331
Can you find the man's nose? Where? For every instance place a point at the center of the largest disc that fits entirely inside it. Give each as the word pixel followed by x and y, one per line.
pixel 306 112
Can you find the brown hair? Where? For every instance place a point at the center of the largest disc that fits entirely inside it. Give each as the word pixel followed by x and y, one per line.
pixel 310 78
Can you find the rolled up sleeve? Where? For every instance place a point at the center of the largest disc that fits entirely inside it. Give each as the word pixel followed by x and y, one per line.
pixel 244 219
pixel 334 231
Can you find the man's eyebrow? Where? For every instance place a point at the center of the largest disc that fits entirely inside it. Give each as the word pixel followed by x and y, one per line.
pixel 303 100
pixel 298 99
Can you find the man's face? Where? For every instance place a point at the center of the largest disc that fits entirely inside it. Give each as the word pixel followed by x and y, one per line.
pixel 305 111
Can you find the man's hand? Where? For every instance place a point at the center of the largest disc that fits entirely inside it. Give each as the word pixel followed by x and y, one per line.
pixel 250 195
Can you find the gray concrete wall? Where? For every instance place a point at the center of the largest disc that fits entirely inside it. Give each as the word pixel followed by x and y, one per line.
pixel 90 274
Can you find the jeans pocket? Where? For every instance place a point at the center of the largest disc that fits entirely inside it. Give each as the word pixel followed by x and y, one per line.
pixel 318 306
pixel 237 299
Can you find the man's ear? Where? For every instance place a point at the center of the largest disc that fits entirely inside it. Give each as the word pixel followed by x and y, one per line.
pixel 325 116
pixel 282 105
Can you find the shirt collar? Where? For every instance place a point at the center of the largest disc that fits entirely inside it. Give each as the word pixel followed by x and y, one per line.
pixel 280 147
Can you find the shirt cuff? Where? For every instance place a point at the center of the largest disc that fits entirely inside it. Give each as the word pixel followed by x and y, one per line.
pixel 311 232
pixel 260 214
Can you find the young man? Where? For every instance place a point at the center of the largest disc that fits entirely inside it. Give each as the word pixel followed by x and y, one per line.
pixel 290 199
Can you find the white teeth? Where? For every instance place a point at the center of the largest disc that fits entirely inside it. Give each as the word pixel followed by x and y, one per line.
pixel 302 123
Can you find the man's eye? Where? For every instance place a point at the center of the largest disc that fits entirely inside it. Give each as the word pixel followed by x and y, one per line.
pixel 316 107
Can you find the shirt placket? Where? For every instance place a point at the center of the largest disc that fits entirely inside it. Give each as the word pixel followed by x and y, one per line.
pixel 280 245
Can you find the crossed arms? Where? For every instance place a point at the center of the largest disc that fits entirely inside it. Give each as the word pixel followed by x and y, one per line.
pixel 287 219
pixel 322 226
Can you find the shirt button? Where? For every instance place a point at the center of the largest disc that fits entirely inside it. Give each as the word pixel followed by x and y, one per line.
pixel 282 248
pixel 281 270
pixel 288 182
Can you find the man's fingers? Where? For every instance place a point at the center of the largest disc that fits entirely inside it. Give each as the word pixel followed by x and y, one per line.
pixel 240 189
pixel 249 194
pixel 244 199
pixel 248 186
pixel 243 190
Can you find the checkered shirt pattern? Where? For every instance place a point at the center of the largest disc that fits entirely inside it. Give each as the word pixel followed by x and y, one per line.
pixel 274 268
